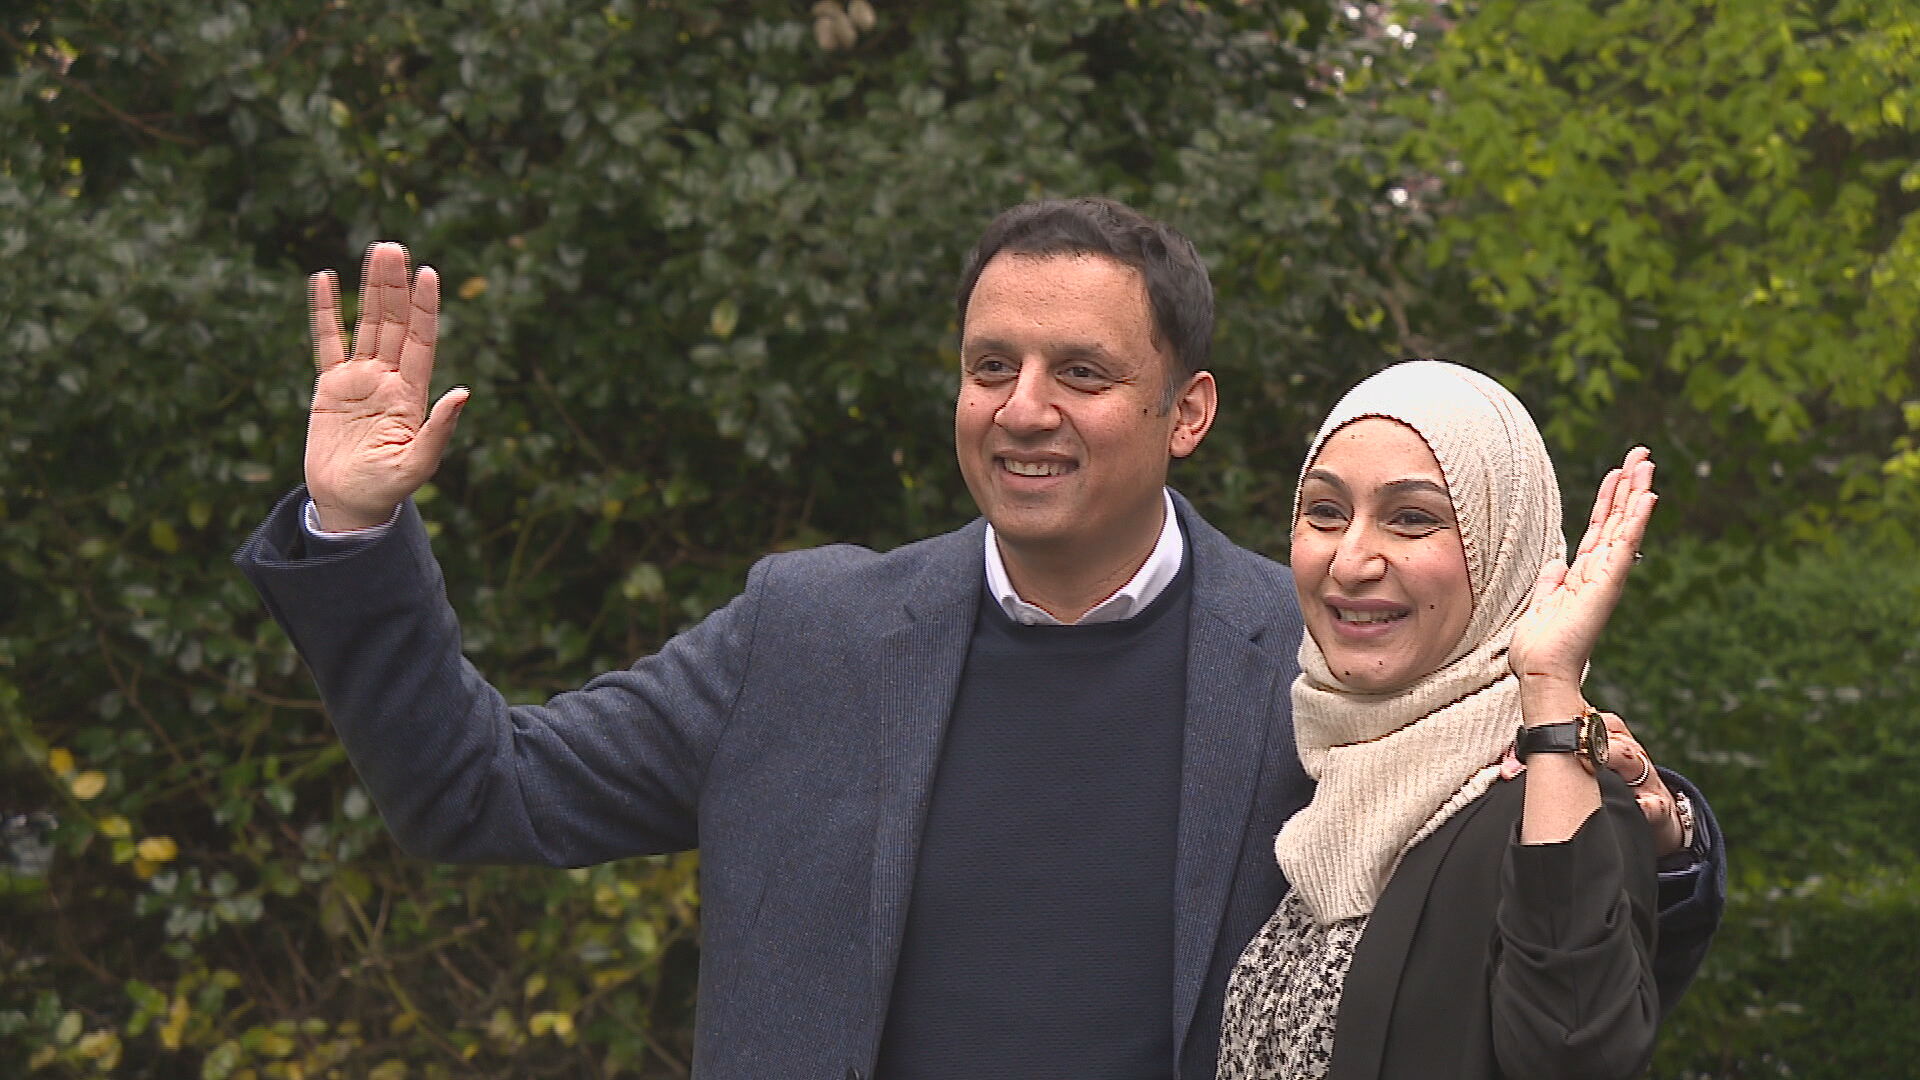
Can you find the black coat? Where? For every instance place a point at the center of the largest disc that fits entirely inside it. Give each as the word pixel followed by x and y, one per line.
pixel 1488 958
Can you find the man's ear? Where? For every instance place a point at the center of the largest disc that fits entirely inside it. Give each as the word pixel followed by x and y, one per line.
pixel 1193 411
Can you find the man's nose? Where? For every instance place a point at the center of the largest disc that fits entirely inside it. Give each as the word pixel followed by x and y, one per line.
pixel 1029 407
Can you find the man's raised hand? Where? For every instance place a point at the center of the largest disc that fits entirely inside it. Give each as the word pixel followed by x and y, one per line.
pixel 371 441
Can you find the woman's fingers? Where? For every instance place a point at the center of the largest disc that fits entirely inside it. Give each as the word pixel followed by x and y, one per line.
pixel 1602 509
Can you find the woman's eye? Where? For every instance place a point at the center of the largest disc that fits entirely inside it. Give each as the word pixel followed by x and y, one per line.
pixel 1414 521
pixel 1323 515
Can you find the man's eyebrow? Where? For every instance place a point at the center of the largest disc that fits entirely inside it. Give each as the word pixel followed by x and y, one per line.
pixel 976 346
pixel 1054 350
pixel 1080 350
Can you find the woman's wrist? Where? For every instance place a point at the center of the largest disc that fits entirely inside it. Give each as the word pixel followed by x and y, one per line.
pixel 1547 700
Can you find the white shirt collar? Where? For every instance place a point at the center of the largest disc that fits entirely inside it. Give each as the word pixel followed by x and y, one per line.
pixel 1144 588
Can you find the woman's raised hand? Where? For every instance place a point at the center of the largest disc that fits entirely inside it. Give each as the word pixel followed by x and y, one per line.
pixel 1571 604
pixel 371 440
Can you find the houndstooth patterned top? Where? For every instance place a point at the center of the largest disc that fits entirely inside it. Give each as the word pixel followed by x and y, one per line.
pixel 1284 996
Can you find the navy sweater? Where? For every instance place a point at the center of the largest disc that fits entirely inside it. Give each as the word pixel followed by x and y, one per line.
pixel 1039 937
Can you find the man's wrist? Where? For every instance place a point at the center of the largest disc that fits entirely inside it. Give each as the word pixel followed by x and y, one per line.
pixel 336 520
pixel 310 518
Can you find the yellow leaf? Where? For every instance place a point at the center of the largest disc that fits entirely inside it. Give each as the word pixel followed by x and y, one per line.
pixel 164 537
pixel 115 826
pixel 725 316
pixel 540 1023
pixel 144 870
pixel 89 784
pixel 60 761
pixel 390 1069
pixel 473 287
pixel 99 1044
pixel 535 983
pixel 157 849
pixel 274 1044
pixel 400 1024
pixel 177 1014
pixel 611 977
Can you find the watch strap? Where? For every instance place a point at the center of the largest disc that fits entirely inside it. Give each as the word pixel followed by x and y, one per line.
pixel 1560 738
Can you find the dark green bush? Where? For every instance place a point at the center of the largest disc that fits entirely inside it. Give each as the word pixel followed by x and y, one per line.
pixel 1788 686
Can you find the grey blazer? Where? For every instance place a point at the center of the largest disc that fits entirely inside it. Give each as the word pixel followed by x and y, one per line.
pixel 791 736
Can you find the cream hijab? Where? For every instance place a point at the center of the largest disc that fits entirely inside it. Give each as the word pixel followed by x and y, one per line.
pixel 1392 766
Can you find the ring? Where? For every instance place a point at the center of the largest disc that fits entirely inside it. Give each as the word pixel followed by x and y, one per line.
pixel 1646 770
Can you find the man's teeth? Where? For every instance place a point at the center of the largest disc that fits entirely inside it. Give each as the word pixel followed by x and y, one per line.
pixel 1346 615
pixel 1035 468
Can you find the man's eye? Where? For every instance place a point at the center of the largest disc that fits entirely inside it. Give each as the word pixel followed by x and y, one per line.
pixel 991 368
pixel 1082 373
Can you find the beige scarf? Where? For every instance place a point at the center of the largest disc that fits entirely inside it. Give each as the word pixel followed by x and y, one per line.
pixel 1392 766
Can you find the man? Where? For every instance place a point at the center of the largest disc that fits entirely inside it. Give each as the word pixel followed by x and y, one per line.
pixel 997 803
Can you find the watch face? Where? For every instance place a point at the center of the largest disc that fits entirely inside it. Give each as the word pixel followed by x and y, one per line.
pixel 1596 740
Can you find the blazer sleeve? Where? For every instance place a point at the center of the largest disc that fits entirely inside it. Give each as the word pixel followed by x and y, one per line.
pixel 612 769
pixel 1692 898
pixel 1573 992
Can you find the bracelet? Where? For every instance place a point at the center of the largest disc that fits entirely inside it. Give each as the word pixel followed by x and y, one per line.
pixel 1683 809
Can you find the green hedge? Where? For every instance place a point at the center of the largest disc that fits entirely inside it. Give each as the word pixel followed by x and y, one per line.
pixel 1788 687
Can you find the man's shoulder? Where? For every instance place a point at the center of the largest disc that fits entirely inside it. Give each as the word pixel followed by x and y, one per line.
pixel 947 562
pixel 1228 577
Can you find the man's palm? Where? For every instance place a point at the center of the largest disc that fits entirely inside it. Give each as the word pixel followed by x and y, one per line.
pixel 371 441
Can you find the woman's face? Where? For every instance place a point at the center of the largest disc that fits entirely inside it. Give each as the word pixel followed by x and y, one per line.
pixel 1377 557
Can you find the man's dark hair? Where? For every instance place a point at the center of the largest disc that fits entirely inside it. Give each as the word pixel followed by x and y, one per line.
pixel 1178 289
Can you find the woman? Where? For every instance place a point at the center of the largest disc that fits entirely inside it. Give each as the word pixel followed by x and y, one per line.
pixel 1444 921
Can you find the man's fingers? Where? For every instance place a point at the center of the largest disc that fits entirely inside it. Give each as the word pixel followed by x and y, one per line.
pixel 390 285
pixel 366 323
pixel 1657 807
pixel 1632 763
pixel 381 327
pixel 323 314
pixel 438 430
pixel 423 330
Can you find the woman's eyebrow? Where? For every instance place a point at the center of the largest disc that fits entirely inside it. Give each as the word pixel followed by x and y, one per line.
pixel 1402 487
pixel 1325 477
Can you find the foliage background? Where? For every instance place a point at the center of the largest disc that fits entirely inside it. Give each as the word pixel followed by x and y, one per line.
pixel 698 262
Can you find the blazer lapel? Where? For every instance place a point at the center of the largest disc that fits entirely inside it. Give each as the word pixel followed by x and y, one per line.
pixel 917 677
pixel 1233 707
pixel 1368 998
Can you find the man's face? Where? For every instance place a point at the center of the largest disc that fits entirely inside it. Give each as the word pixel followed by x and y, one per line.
pixel 1059 424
